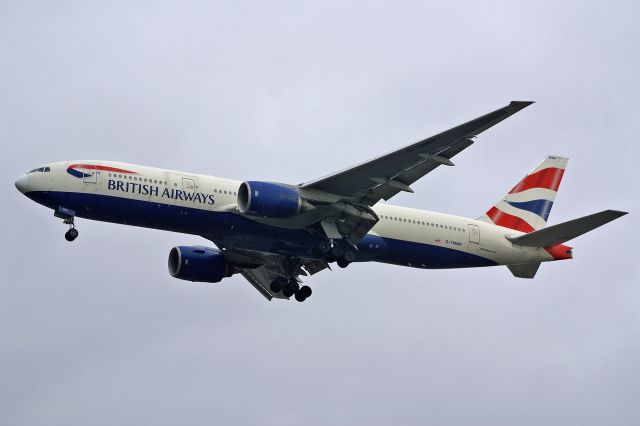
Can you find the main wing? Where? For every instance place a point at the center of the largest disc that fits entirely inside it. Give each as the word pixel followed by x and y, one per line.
pixel 383 177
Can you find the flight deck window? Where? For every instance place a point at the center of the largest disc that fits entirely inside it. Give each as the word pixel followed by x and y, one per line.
pixel 47 169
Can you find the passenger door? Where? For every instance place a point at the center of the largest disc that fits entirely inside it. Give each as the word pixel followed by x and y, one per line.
pixel 89 178
pixel 474 234
pixel 188 185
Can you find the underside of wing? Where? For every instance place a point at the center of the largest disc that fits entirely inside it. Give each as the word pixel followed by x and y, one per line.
pixel 383 177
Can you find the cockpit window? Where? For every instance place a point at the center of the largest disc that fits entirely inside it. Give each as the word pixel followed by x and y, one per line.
pixel 40 169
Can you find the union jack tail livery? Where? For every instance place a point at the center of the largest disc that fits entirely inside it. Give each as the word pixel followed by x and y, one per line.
pixel 527 206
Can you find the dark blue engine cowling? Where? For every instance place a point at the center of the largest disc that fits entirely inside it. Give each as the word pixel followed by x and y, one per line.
pixel 268 199
pixel 201 264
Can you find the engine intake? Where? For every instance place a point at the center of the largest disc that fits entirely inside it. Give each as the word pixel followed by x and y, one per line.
pixel 200 264
pixel 268 200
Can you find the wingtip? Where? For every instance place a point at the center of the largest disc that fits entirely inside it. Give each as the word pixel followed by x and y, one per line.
pixel 521 104
pixel 619 213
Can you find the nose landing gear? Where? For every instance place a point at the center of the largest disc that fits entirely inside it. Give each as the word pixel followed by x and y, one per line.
pixel 72 233
pixel 67 216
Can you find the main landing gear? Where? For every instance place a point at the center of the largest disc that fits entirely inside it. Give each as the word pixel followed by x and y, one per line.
pixel 335 253
pixel 290 287
pixel 72 233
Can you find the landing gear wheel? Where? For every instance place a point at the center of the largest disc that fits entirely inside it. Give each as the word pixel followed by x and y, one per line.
pixel 290 288
pixel 343 263
pixel 278 284
pixel 324 247
pixel 275 286
pixel 336 252
pixel 71 234
pixel 349 256
pixel 303 293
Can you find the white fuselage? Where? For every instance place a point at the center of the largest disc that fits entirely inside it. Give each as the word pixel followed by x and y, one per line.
pixel 147 196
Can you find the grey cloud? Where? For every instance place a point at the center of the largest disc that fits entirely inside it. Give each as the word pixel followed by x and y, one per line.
pixel 96 332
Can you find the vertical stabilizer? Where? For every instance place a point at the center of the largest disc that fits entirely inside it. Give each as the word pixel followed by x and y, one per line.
pixel 527 206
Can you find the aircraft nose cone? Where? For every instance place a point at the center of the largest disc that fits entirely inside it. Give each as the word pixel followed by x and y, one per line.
pixel 21 183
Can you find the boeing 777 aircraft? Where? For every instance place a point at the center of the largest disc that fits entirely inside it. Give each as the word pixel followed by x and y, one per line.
pixel 273 233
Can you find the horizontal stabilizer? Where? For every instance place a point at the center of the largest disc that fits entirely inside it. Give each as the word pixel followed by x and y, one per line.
pixel 558 234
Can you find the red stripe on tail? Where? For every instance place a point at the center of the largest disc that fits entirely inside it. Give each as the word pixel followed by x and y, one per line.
pixel 501 218
pixel 548 178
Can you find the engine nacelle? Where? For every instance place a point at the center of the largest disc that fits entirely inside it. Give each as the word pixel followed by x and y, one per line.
pixel 201 264
pixel 268 199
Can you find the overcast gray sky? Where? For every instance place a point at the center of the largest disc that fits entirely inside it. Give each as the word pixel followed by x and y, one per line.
pixel 97 332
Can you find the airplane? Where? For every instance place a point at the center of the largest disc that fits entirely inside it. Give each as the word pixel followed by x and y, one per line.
pixel 273 233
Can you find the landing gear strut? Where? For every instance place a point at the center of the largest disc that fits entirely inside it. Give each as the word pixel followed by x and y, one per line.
pixel 72 233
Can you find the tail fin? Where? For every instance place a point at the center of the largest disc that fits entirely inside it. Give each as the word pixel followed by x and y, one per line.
pixel 527 206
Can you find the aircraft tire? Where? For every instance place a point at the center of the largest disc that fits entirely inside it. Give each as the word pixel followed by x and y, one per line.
pixel 324 247
pixel 343 263
pixel 305 291
pixel 71 234
pixel 349 256
pixel 275 286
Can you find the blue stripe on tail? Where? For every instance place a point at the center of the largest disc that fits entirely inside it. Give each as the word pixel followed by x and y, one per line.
pixel 540 207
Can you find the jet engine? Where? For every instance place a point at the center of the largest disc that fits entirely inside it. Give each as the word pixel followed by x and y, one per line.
pixel 268 199
pixel 201 264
